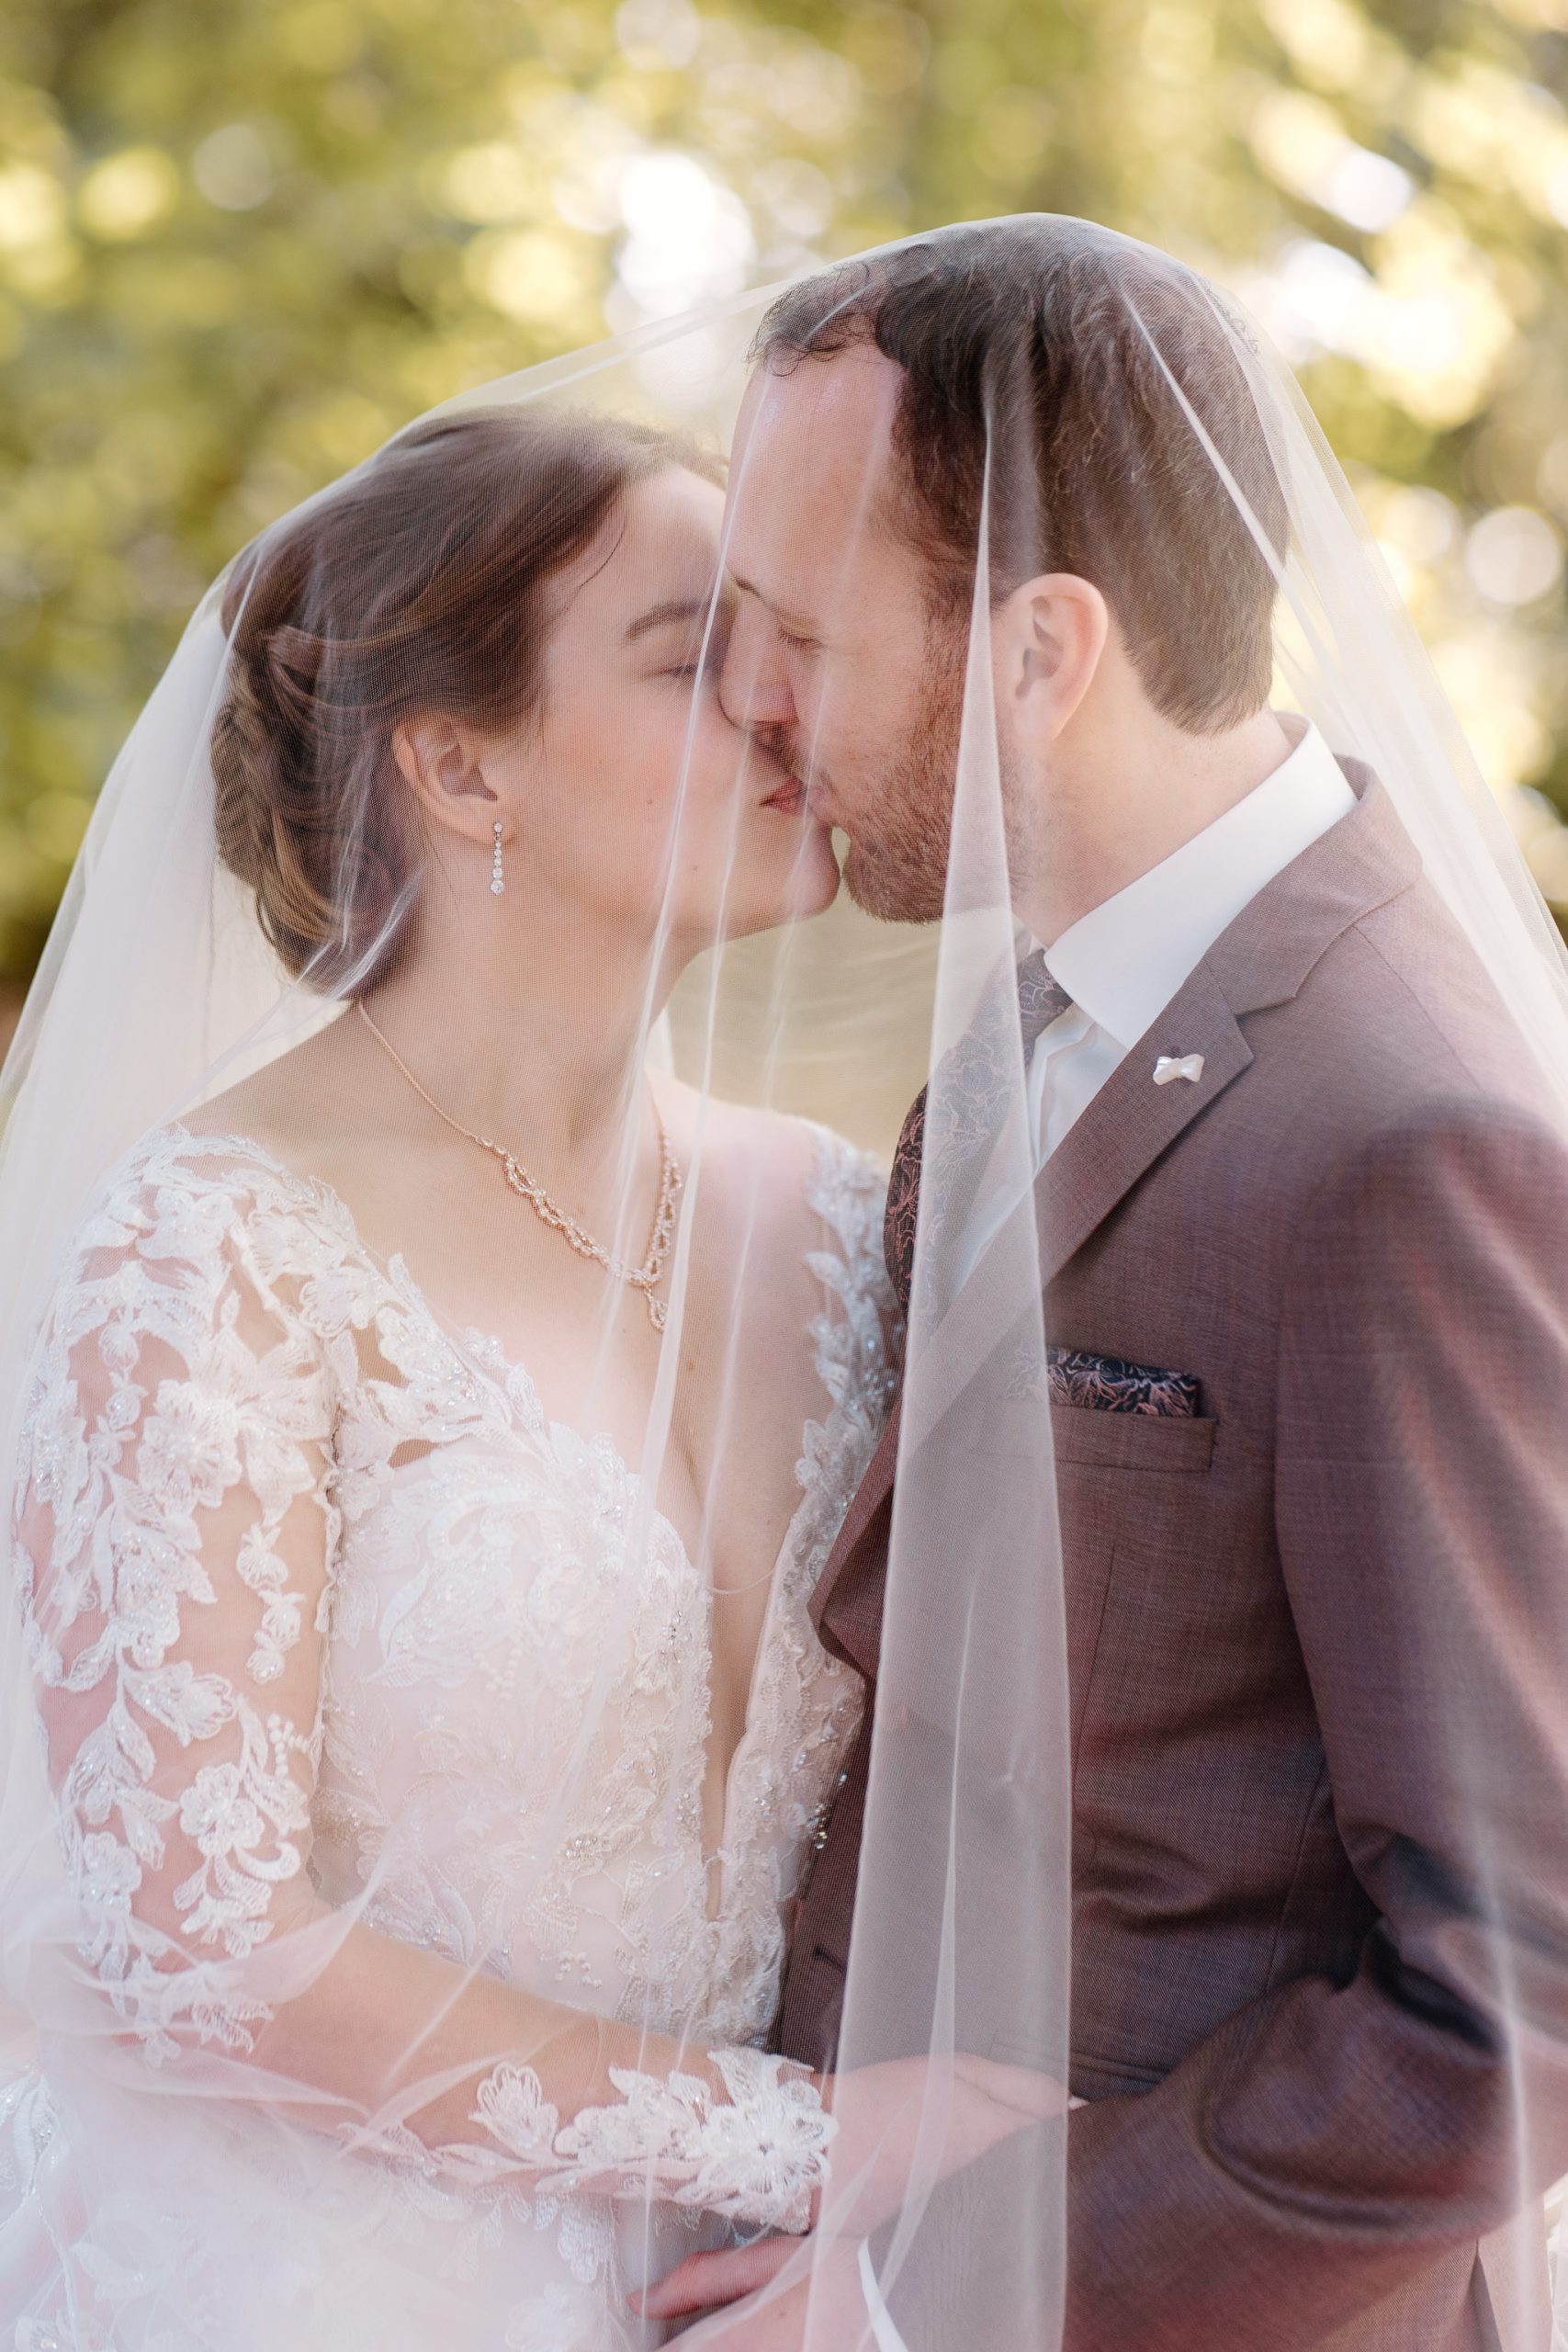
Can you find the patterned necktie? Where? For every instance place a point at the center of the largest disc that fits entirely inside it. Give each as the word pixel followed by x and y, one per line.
pixel 1039 1001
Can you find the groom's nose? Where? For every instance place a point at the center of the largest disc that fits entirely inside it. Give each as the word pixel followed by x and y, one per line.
pixel 753 685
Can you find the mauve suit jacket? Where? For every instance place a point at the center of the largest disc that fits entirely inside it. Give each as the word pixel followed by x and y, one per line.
pixel 1318 1655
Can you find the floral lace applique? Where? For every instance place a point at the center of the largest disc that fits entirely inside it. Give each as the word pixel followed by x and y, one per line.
pixel 758 2158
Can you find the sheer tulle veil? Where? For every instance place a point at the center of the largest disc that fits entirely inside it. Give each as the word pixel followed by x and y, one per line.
pixel 160 988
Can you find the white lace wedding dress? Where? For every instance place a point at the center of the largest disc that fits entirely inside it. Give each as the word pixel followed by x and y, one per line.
pixel 468 1725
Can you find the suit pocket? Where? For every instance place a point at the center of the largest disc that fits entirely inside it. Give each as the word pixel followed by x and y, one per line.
pixel 1131 1440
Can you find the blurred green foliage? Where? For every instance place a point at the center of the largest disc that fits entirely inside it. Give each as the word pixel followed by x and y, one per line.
pixel 240 243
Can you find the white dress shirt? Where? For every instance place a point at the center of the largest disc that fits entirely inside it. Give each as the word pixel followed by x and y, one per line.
pixel 1122 963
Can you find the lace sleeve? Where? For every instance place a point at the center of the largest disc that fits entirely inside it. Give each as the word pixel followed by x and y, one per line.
pixel 175 1529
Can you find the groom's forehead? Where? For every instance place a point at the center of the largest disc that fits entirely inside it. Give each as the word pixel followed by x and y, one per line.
pixel 815 431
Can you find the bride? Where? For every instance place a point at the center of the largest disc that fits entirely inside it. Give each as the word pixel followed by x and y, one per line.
pixel 435 1729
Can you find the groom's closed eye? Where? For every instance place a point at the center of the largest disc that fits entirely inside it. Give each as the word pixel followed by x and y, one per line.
pixel 794 627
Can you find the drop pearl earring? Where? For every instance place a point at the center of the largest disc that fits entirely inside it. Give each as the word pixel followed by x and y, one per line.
pixel 497 882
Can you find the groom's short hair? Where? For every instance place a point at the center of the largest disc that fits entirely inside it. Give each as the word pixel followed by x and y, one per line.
pixel 1090 373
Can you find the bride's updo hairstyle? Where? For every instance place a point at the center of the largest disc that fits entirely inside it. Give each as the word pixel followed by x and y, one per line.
pixel 419 584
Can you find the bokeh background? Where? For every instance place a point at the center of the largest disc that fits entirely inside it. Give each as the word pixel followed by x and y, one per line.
pixel 241 241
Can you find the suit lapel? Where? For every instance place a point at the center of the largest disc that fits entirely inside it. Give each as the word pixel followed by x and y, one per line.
pixel 1262 960
pixel 1127 1126
pixel 1132 1120
pixel 847 1610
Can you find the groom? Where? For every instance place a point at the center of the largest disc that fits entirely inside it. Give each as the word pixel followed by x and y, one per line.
pixel 1317 1627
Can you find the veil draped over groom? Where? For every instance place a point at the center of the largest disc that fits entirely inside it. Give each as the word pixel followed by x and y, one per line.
pixel 1375 1622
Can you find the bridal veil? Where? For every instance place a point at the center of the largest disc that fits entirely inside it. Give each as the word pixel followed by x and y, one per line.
pixel 1215 498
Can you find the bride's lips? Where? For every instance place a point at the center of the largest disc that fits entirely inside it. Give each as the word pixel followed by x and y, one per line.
pixel 788 798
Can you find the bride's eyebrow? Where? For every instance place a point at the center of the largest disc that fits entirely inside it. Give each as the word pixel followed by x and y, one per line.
pixel 660 615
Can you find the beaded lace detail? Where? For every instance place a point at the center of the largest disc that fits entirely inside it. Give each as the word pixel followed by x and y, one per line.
pixel 757 2158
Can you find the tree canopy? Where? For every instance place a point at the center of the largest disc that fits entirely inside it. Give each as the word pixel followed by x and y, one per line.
pixel 240 245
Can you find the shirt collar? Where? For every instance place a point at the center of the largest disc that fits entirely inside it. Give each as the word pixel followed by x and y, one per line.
pixel 1126 959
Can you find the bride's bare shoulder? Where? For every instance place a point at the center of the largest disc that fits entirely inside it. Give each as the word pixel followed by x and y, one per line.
pixel 296 1103
pixel 780 1175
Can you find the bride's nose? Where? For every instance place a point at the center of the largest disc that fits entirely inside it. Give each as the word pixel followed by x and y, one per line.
pixel 753 683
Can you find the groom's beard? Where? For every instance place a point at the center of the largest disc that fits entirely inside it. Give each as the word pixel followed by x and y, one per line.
pixel 900 843
pixel 896 867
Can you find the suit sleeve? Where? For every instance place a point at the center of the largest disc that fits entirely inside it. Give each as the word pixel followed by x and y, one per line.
pixel 1332 2138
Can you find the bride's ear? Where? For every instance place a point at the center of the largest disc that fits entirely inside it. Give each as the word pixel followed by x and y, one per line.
pixel 442 762
pixel 1047 639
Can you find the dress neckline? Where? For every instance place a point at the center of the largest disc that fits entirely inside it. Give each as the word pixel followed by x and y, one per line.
pixel 505 1374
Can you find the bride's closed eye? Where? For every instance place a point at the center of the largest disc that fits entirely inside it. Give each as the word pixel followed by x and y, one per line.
pixel 702 655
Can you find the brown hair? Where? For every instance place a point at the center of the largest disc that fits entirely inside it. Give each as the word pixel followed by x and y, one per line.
pixel 416 585
pixel 1061 356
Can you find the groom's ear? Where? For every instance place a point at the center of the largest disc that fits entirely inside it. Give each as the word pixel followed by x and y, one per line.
pixel 1047 640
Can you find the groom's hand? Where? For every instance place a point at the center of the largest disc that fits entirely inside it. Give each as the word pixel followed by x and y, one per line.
pixel 707 2282
pixel 916 2119
pixel 884 2138
pixel 822 2311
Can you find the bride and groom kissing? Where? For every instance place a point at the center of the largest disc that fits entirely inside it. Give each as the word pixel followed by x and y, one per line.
pixel 424 1778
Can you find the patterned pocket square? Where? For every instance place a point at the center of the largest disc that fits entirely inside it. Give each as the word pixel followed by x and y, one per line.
pixel 1111 1384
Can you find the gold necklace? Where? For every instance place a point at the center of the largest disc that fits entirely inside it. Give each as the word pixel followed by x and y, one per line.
pixel 645 1277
